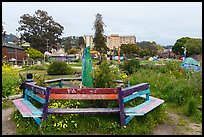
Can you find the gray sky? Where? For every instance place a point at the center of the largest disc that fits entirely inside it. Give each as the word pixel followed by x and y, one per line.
pixel 162 22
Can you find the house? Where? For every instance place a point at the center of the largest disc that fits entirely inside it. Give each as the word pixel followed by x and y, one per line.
pixel 13 53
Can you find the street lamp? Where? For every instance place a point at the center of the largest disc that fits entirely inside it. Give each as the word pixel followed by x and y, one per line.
pixel 28 60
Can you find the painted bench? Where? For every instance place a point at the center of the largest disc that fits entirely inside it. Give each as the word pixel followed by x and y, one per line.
pixel 121 95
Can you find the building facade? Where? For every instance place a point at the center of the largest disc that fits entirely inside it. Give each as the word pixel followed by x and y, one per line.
pixel 114 40
pixel 12 52
pixel 127 40
pixel 89 41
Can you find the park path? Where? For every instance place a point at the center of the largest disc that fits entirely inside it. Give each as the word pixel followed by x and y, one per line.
pixel 175 125
pixel 8 126
pixel 178 125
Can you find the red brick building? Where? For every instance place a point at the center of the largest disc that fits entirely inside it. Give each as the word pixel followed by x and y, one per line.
pixel 12 52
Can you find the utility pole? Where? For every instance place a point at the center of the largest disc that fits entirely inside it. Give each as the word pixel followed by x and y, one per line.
pixel 47 45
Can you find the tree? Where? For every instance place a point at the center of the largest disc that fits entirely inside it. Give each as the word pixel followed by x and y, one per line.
pixel 149 48
pixel 3 33
pixel 99 39
pixel 67 43
pixel 193 46
pixel 81 42
pixel 129 50
pixel 34 54
pixel 73 51
pixel 38 28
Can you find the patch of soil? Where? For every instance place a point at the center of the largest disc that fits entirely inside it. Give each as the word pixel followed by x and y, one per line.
pixel 8 126
pixel 178 125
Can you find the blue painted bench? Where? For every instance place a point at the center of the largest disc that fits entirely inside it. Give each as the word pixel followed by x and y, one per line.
pixel 121 95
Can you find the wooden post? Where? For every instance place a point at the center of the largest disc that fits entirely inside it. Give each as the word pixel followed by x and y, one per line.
pixel 121 106
pixel 45 107
pixel 118 55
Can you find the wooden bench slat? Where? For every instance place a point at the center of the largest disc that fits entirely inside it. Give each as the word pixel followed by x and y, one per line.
pixel 134 95
pixel 39 99
pixel 62 79
pixel 32 108
pixel 143 108
pixel 82 96
pixel 139 87
pixel 83 110
pixel 24 108
pixel 84 90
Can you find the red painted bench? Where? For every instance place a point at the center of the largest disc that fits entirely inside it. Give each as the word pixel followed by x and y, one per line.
pixel 120 95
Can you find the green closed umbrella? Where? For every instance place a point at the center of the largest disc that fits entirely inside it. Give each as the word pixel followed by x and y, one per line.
pixel 87 79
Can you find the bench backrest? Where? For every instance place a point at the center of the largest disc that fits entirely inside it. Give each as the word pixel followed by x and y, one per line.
pixel 83 94
pixel 130 93
pixel 32 91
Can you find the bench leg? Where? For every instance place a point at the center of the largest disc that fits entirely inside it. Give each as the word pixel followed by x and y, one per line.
pixel 37 120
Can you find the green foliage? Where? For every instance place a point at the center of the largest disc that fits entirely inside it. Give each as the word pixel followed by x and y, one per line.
pixel 103 76
pixel 130 66
pixel 129 50
pixel 10 81
pixel 191 107
pixel 34 54
pixel 59 68
pixel 73 51
pixel 99 39
pixel 81 42
pixel 38 67
pixel 173 85
pixel 36 30
pixel 148 48
pixel 193 46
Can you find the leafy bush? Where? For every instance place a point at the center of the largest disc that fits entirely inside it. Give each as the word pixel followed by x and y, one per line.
pixel 103 76
pixel 59 67
pixel 38 67
pixel 34 54
pixel 130 66
pixel 10 78
pixel 191 107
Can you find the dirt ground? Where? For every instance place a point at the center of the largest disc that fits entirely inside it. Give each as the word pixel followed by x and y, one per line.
pixel 8 126
pixel 175 125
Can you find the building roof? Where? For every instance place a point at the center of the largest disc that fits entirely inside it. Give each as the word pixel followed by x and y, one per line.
pixel 11 45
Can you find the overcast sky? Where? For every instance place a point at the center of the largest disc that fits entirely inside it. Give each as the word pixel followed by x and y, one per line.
pixel 162 22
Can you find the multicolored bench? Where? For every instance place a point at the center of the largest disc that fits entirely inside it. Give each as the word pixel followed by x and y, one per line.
pixel 121 95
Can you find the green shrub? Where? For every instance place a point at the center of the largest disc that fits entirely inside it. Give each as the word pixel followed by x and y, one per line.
pixel 130 66
pixel 59 67
pixel 10 78
pixel 191 107
pixel 103 76
pixel 38 67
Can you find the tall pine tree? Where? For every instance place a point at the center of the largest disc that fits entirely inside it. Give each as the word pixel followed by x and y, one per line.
pixel 99 39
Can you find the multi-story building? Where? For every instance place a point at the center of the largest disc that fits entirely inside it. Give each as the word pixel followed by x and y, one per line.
pixel 114 40
pixel 89 41
pixel 13 52
pixel 127 40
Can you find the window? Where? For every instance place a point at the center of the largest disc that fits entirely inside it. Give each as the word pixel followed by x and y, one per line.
pixel 11 50
pixel 19 51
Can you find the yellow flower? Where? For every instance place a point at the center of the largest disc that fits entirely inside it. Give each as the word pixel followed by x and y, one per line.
pixel 78 103
pixel 54 124
pixel 53 116
pixel 75 125
pixel 65 125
